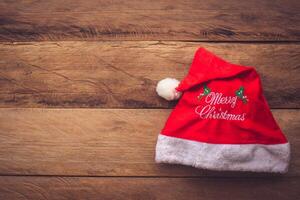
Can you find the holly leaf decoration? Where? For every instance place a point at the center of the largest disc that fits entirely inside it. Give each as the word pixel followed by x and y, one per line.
pixel 240 94
pixel 206 91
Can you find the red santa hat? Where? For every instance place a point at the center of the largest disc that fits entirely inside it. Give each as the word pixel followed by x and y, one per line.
pixel 222 120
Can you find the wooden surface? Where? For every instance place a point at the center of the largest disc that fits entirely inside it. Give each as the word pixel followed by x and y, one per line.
pixel 148 188
pixel 101 142
pixel 101 74
pixel 202 20
pixel 79 115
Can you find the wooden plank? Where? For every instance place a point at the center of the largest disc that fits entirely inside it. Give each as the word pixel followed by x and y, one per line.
pixel 101 142
pixel 58 188
pixel 212 20
pixel 115 74
pixel 118 5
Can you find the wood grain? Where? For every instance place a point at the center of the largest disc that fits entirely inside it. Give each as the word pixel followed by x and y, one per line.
pixel 102 142
pixel 147 20
pixel 119 5
pixel 58 188
pixel 124 74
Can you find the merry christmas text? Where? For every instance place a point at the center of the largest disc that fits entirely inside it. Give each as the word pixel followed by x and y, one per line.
pixel 209 111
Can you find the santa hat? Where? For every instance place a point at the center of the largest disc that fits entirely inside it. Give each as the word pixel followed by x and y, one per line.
pixel 222 120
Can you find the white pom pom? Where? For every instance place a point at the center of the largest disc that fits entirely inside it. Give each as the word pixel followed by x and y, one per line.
pixel 166 89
